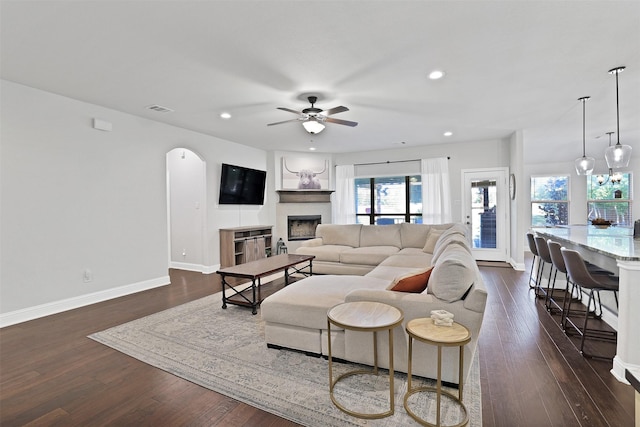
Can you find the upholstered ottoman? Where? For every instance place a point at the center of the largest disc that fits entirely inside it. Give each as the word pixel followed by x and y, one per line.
pixel 296 316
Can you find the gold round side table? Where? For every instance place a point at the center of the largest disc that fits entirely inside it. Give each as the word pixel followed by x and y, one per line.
pixel 457 335
pixel 365 316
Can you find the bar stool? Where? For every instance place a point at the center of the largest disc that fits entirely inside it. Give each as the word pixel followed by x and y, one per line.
pixel 580 275
pixel 558 263
pixel 545 258
pixel 534 251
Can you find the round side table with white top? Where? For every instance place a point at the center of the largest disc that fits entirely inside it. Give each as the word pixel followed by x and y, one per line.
pixel 365 316
pixel 457 335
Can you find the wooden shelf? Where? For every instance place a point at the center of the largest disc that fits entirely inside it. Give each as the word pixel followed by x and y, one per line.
pixel 232 242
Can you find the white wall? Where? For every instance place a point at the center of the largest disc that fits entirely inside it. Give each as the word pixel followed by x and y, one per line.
pixel 76 199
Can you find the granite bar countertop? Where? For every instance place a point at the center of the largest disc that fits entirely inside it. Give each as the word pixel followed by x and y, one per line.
pixel 612 241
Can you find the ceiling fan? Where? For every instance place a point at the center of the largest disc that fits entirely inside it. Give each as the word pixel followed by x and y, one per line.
pixel 313 118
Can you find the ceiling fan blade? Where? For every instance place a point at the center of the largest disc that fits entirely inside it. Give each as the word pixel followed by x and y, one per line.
pixel 285 121
pixel 335 110
pixel 341 122
pixel 289 110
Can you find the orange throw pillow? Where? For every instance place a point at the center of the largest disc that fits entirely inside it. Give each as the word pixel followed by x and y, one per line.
pixel 416 283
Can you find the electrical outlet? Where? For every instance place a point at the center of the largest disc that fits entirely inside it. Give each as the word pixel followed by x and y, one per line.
pixel 87 276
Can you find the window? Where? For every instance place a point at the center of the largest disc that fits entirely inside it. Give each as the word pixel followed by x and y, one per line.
pixel 549 200
pixel 610 201
pixel 389 200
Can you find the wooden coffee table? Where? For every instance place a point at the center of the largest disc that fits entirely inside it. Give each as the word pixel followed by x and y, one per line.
pixel 256 270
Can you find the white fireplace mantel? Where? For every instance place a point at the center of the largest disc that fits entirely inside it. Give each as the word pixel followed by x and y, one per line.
pixel 305 196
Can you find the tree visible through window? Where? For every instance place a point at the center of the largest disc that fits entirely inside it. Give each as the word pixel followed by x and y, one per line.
pixel 549 200
pixel 610 201
pixel 389 200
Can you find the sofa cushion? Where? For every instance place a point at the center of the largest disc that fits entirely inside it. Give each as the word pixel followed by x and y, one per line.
pixel 370 255
pixel 445 241
pixel 413 235
pixel 432 239
pixel 453 274
pixel 455 230
pixel 323 253
pixel 387 272
pixel 305 303
pixel 380 235
pixel 405 260
pixel 413 251
pixel 411 282
pixel 339 234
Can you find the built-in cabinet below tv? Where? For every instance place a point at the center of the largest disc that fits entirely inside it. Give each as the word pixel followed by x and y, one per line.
pixel 232 242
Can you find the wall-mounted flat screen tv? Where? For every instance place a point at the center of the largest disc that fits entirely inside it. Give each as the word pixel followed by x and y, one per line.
pixel 241 186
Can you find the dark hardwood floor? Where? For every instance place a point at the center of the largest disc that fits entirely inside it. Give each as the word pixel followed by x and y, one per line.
pixel 51 374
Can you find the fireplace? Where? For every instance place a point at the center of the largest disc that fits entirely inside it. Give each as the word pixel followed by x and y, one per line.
pixel 302 227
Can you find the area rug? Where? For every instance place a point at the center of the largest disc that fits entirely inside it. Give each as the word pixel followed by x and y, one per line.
pixel 225 351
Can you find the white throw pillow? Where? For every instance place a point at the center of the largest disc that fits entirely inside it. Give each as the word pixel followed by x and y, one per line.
pixel 432 239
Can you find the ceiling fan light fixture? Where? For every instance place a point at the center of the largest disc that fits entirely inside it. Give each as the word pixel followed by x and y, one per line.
pixel 584 165
pixel 601 178
pixel 313 126
pixel 619 155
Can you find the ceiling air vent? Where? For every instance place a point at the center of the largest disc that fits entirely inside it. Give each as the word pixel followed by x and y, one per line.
pixel 159 108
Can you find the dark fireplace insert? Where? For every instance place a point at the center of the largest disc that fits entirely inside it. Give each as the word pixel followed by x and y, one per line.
pixel 302 227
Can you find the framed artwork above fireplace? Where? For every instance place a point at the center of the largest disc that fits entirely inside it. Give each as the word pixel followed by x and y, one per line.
pixel 305 173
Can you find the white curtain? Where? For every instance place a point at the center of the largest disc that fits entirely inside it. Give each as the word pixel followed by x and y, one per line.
pixel 436 192
pixel 344 206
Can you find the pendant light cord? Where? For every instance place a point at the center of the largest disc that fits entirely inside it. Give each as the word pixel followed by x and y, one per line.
pixel 617 108
pixel 584 153
pixel 617 71
pixel 583 99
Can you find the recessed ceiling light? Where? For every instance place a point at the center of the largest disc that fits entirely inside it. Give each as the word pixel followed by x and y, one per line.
pixel 448 133
pixel 312 148
pixel 436 74
pixel 225 115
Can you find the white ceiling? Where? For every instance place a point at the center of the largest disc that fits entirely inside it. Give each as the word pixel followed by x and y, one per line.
pixel 510 65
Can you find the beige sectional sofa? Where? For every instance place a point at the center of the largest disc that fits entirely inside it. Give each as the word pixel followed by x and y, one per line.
pixel 362 263
pixel 358 249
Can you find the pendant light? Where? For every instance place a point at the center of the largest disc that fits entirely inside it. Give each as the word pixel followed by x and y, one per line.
pixel 619 155
pixel 584 165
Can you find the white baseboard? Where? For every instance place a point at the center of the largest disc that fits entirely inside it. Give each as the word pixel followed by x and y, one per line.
pixel 204 269
pixel 36 312
pixel 518 266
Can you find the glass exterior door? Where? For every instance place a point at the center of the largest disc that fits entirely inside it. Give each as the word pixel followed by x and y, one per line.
pixel 483 201
pixel 485 212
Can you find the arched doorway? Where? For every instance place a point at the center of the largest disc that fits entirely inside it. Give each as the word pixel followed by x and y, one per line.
pixel 186 210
